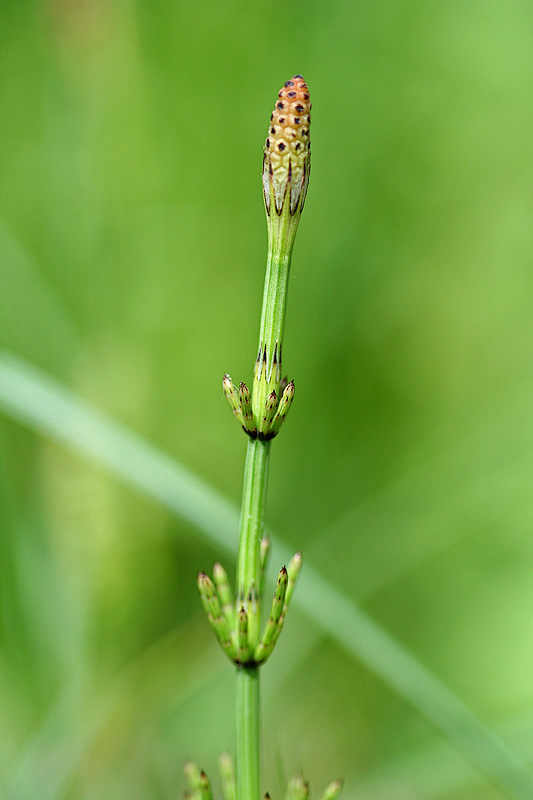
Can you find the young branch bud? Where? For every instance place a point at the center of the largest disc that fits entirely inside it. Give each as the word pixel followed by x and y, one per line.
pixel 192 773
pixel 227 776
pixel 213 610
pixel 273 626
pixel 226 597
pixel 205 787
pixel 232 396
pixel 298 789
pixel 332 791
pixel 243 648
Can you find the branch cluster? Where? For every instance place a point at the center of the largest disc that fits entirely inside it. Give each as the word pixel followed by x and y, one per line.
pixel 236 621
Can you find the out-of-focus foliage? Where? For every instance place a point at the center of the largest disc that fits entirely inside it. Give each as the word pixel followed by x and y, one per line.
pixel 132 249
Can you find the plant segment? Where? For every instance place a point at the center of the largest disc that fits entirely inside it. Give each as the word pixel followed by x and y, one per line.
pixel 236 617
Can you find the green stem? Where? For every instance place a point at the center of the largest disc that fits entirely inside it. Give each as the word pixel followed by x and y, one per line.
pixel 281 233
pixel 252 516
pixel 247 740
pixel 248 572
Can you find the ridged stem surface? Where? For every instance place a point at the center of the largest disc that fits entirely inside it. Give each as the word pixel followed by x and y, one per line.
pixel 252 516
pixel 285 174
pixel 247 743
pixel 280 242
pixel 253 510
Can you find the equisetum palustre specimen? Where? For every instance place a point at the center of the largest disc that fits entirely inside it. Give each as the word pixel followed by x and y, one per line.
pixel 236 617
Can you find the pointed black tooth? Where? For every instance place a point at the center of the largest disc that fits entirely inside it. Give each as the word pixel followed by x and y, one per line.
pixel 264 366
pixel 257 368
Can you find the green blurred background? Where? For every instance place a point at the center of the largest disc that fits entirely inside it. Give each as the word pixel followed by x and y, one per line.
pixel 132 250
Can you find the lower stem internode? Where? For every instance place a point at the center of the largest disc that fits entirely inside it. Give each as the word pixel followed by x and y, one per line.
pixel 248 573
pixel 247 738
pixel 252 516
pixel 281 231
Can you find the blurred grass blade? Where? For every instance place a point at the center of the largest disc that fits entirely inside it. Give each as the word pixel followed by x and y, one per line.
pixel 433 772
pixel 372 645
pixel 48 763
pixel 37 401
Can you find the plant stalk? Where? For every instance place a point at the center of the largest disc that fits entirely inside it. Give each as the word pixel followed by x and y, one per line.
pixel 252 516
pixel 254 501
pixel 247 740
pixel 284 184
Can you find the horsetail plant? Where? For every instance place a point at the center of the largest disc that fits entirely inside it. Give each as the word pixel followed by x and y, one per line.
pixel 236 618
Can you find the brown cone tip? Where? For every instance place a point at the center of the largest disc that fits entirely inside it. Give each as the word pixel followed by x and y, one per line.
pixel 287 145
pixel 290 120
